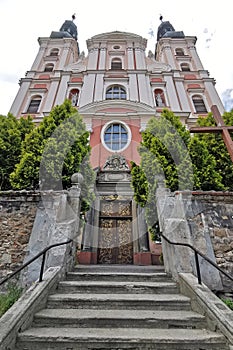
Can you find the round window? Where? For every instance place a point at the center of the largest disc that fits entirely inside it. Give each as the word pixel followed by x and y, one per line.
pixel 116 136
pixel 116 47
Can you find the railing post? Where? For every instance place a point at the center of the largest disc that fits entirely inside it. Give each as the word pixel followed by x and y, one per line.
pixel 42 267
pixel 197 267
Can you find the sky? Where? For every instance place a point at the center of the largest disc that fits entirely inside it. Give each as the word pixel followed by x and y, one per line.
pixel 22 22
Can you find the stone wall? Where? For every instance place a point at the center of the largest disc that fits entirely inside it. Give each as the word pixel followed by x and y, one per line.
pixel 17 214
pixel 203 220
pixel 214 213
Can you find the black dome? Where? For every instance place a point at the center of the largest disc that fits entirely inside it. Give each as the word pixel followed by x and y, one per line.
pixel 67 30
pixel 167 30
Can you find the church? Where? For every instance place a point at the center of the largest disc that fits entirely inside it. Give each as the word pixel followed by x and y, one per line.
pixel 117 88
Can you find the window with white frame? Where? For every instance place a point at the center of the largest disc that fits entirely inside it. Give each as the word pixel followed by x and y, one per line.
pixel 179 51
pixel 116 136
pixel 185 67
pixel 49 67
pixel 116 64
pixel 199 104
pixel 116 92
pixel 34 104
pixel 54 52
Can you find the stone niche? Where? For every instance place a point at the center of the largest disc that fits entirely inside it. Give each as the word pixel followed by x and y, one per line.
pixel 17 214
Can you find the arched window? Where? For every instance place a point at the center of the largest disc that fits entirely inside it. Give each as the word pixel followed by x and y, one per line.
pixel 34 104
pixel 73 96
pixel 179 52
pixel 49 67
pixel 199 104
pixel 116 136
pixel 159 98
pixel 185 67
pixel 54 52
pixel 116 92
pixel 116 64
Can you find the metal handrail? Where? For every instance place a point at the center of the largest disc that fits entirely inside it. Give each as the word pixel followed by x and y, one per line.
pixel 196 253
pixel 43 252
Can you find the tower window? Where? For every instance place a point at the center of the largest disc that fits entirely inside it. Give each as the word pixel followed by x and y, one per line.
pixel 73 96
pixel 54 52
pixel 116 64
pixel 185 67
pixel 199 104
pixel 179 52
pixel 34 105
pixel 49 67
pixel 116 136
pixel 116 92
pixel 159 98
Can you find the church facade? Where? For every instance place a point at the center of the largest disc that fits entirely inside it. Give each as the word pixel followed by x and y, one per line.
pixel 117 88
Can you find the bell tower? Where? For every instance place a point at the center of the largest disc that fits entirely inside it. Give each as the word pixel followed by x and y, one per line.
pixel 193 86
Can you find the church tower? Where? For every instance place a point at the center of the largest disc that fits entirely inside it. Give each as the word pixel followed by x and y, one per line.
pixel 117 88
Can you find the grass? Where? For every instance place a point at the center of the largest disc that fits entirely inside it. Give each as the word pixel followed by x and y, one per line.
pixel 228 302
pixel 9 298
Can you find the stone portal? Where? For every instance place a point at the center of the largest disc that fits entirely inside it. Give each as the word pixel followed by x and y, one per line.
pixel 115 231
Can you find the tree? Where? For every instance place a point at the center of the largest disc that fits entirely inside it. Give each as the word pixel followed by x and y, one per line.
pixel 206 176
pixel 53 151
pixel 169 154
pixel 217 149
pixel 12 134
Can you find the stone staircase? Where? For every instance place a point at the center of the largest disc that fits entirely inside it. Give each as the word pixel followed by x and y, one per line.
pixel 119 307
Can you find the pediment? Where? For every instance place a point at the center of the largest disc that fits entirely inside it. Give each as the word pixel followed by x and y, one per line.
pixel 116 35
pixel 117 107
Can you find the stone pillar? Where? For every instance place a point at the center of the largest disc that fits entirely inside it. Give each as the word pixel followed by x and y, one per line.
pixel 173 209
pixel 143 256
pixel 57 220
pixel 142 230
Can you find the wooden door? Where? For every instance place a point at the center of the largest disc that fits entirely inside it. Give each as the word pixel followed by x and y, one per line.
pixel 115 233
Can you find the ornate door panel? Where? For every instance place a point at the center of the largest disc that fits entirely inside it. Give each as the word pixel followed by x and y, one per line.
pixel 115 234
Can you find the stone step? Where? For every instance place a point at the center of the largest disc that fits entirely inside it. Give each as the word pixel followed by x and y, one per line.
pixel 119 318
pixel 115 268
pixel 117 287
pixel 48 338
pixel 119 301
pixel 117 276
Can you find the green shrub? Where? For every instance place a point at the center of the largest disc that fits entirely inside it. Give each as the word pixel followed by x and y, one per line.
pixel 228 302
pixel 9 298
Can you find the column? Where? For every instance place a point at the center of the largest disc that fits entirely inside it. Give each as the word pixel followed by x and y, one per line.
pixel 93 57
pixel 99 87
pixel 133 87
pixel 171 91
pixel 40 55
pixel 87 90
pixel 61 93
pixel 130 58
pixel 51 96
pixel 195 57
pixel 16 108
pixel 140 58
pixel 102 58
pixel 182 95
pixel 169 57
pixel 213 96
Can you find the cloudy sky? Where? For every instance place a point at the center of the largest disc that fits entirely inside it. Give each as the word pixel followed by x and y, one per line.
pixel 22 22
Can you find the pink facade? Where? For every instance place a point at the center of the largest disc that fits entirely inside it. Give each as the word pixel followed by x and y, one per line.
pixel 99 153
